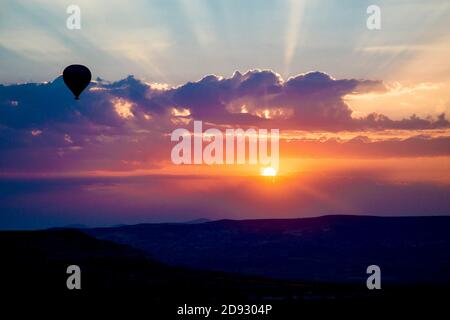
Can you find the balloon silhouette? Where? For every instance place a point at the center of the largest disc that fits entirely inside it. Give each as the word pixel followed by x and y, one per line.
pixel 77 78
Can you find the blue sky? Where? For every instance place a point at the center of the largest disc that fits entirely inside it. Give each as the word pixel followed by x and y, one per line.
pixel 174 41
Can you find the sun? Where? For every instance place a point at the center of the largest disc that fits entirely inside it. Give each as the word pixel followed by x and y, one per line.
pixel 268 172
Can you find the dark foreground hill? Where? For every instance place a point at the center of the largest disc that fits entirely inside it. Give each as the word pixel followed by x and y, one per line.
pixel 411 250
pixel 36 262
pixel 118 277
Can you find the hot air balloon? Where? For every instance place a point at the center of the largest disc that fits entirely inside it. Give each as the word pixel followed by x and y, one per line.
pixel 77 77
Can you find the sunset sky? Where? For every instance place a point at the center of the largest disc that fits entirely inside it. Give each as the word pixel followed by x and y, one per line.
pixel 363 114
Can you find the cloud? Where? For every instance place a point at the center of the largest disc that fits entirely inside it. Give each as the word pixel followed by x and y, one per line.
pixel 124 124
pixel 364 147
pixel 312 100
pixel 379 121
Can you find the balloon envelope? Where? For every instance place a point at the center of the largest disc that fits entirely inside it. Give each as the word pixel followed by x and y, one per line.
pixel 77 77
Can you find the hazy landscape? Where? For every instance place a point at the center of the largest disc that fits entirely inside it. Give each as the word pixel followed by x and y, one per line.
pixel 326 249
pixel 322 259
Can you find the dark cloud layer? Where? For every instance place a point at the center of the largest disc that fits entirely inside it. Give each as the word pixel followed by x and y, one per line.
pixel 311 100
pixel 363 147
pixel 116 124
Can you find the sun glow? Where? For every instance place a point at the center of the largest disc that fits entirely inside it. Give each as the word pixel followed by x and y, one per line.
pixel 123 108
pixel 268 172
